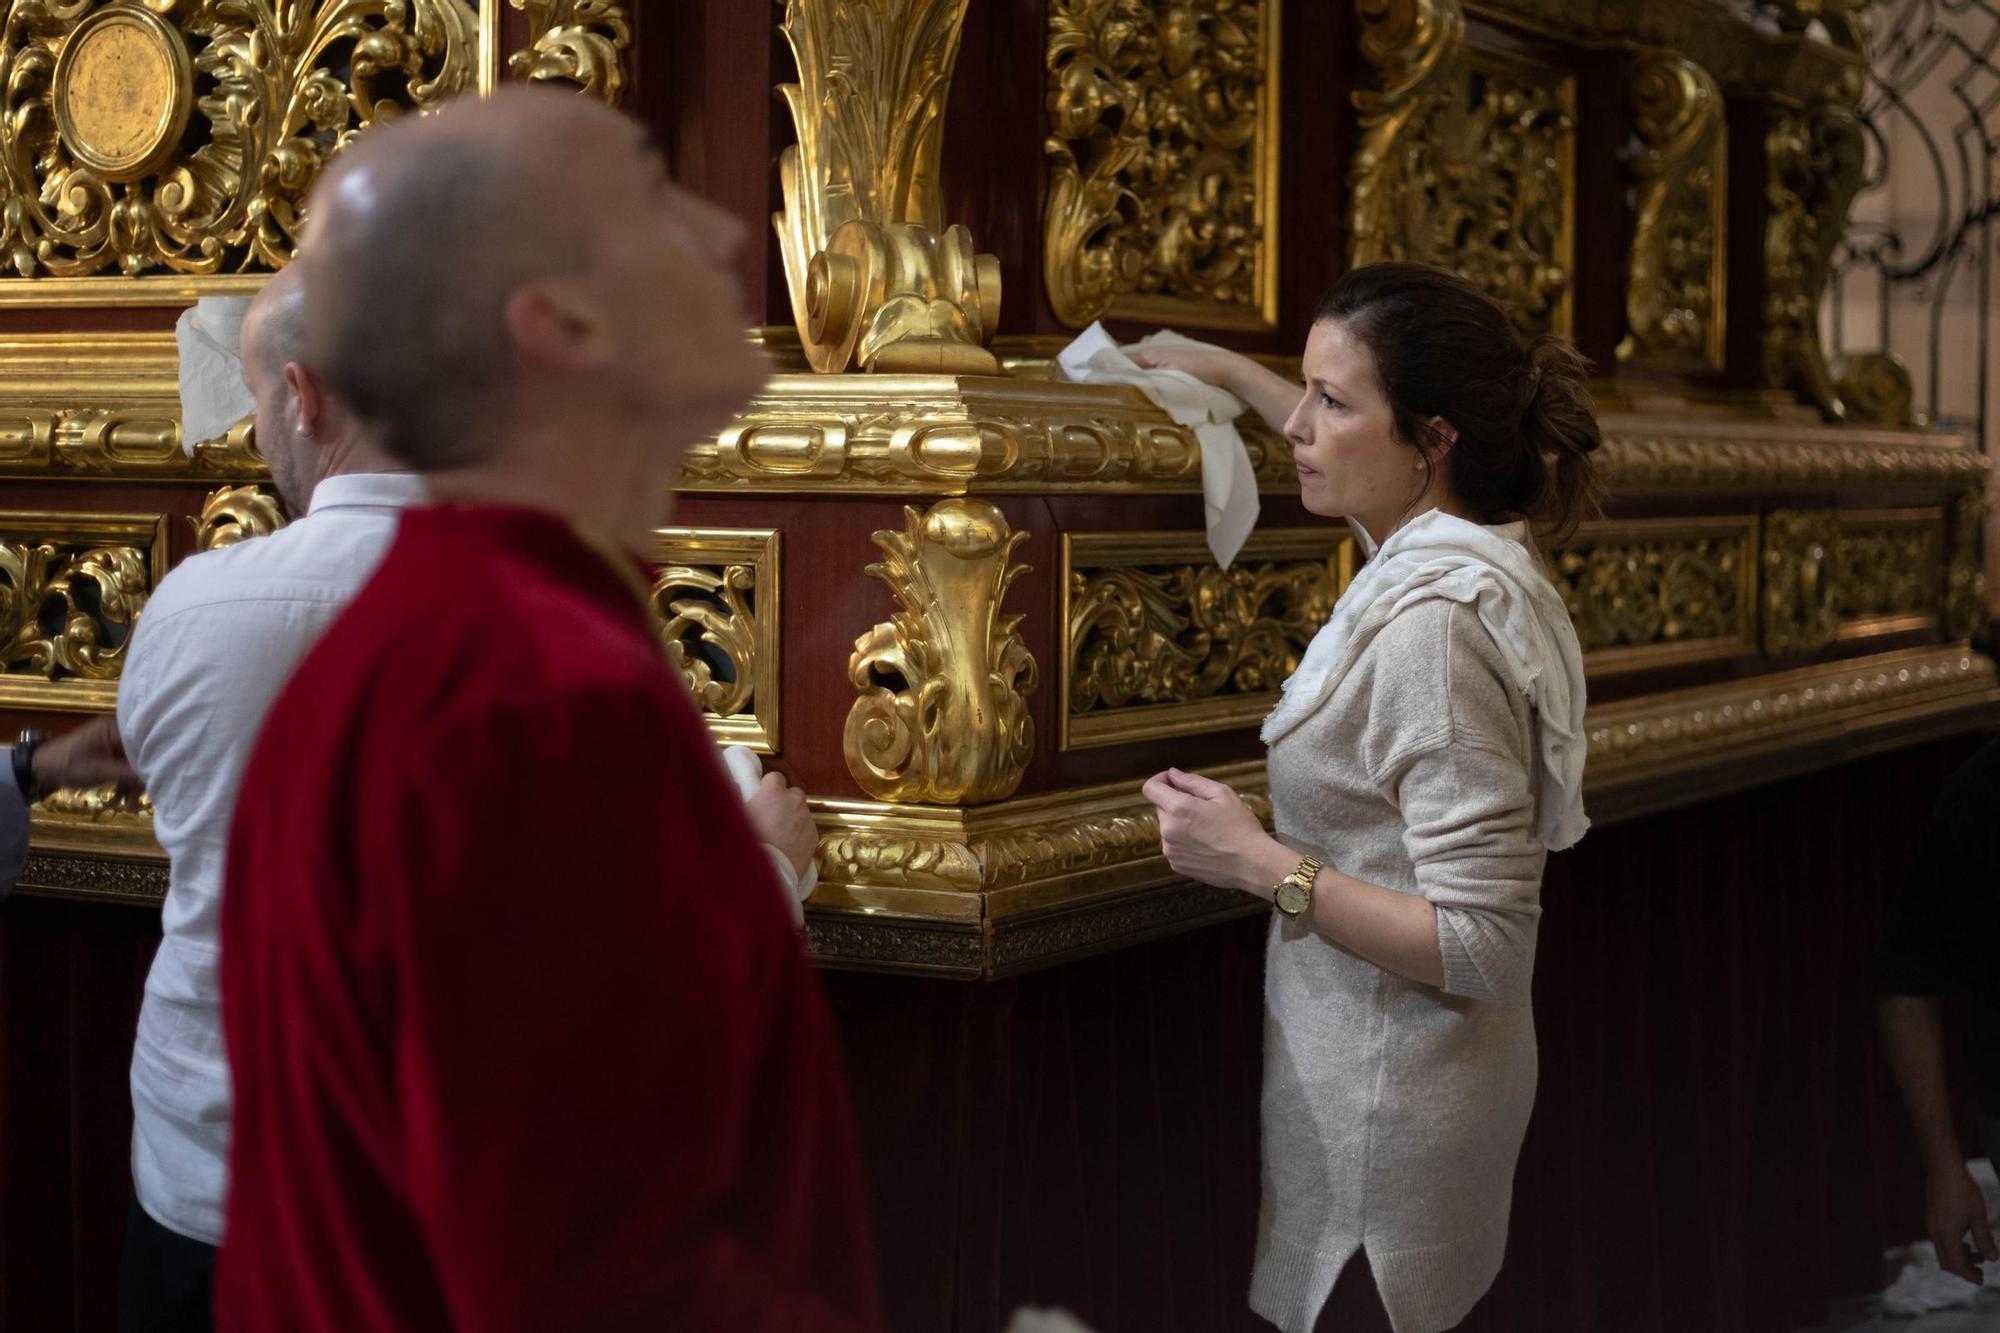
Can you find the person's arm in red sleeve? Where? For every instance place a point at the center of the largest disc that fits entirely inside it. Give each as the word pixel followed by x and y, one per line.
pixel 621 1102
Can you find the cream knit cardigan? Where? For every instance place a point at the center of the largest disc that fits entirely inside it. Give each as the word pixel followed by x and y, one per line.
pixel 1393 1111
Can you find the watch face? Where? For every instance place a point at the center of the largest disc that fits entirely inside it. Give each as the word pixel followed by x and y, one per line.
pixel 1291 899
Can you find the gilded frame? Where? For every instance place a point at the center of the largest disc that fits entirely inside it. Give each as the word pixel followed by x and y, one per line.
pixel 760 548
pixel 72 694
pixel 1081 551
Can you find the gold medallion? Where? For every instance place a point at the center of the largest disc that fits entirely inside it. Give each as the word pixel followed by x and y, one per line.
pixel 123 89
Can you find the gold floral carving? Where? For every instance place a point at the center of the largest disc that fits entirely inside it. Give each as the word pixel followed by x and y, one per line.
pixel 1163 161
pixel 1965 578
pixel 575 41
pixel 233 514
pixel 1889 571
pixel 1657 592
pixel 1160 641
pixel 1801 604
pixel 1467 160
pixel 1674 293
pixel 716 595
pixel 71 589
pixel 942 715
pixel 101 176
pixel 877 280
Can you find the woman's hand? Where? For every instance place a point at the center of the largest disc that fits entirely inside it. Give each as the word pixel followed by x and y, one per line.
pixel 1208 834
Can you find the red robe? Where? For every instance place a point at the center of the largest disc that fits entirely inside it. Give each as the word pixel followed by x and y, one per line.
pixel 522 1034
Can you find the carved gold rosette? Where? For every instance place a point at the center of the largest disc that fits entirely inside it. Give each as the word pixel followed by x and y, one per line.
pixel 1674 297
pixel 1163 161
pixel 1467 160
pixel 877 280
pixel 183 137
pixel 943 714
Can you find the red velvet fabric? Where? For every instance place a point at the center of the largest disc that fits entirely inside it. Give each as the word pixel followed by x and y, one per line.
pixel 1715 1145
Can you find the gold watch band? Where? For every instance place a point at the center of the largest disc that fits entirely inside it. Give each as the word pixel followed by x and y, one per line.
pixel 1293 894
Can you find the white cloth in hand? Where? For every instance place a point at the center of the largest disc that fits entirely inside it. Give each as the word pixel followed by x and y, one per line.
pixel 1028 1319
pixel 1228 483
pixel 209 334
pixel 748 771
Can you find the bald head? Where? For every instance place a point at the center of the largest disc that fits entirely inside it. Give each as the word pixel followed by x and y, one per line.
pixel 274 327
pixel 422 231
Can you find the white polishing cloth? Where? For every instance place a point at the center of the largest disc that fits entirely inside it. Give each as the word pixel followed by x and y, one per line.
pixel 209 334
pixel 747 771
pixel 1228 484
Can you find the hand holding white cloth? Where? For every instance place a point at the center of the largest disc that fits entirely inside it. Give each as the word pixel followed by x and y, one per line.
pixel 747 771
pixel 1228 484
pixel 209 334
pixel 1495 572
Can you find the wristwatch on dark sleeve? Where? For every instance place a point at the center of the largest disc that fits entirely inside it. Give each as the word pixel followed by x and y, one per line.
pixel 23 756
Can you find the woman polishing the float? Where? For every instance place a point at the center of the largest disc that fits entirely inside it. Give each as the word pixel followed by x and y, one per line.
pixel 1424 758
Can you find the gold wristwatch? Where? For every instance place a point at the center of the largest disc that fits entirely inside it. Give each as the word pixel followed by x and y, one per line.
pixel 1294 893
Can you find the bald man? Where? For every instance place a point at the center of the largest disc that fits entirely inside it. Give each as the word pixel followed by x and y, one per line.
pixel 522 1031
pixel 217 642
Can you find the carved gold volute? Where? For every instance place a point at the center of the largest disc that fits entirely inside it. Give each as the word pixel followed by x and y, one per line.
pixel 943 713
pixel 1674 293
pixel 877 280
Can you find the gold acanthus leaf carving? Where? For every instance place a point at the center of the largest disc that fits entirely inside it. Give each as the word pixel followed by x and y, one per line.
pixel 575 41
pixel 1467 161
pixel 942 716
pixel 1674 292
pixel 1151 636
pixel 1159 182
pixel 268 93
pixel 877 280
pixel 708 625
pixel 1814 159
pixel 1801 605
pixel 235 513
pixel 1640 593
pixel 69 612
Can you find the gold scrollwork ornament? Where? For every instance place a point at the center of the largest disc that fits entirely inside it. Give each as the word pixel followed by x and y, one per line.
pixel 235 513
pixel 70 614
pixel 186 137
pixel 1801 604
pixel 876 278
pixel 943 713
pixel 1673 299
pixel 710 607
pixel 575 41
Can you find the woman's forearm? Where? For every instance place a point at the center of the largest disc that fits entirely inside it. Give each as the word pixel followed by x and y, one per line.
pixel 1269 394
pixel 1397 932
pixel 1913 1036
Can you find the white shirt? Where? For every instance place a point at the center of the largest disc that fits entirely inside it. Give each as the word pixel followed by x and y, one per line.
pixel 213 648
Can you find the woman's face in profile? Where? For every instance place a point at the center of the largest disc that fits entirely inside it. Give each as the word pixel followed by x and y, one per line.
pixel 1349 461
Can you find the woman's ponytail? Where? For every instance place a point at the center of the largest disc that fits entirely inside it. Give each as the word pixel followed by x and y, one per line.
pixel 1559 423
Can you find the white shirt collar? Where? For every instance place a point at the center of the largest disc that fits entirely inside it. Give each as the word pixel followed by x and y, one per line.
pixel 383 490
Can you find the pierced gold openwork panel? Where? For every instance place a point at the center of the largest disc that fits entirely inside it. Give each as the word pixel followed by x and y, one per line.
pixel 1889 571
pixel 1160 641
pixel 71 590
pixel 1163 161
pixel 716 595
pixel 1648 593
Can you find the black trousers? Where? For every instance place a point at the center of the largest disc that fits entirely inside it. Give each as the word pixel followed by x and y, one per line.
pixel 166 1281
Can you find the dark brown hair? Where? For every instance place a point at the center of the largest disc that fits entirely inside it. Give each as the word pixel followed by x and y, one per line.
pixel 1445 349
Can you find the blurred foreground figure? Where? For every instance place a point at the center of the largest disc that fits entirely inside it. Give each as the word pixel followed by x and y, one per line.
pixel 522 1033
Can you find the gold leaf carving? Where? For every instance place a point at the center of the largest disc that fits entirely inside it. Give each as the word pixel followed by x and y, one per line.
pixel 233 514
pixel 877 279
pixel 943 714
pixel 1646 593
pixel 716 600
pixel 67 604
pixel 1162 642
pixel 1467 160
pixel 1674 296
pixel 1801 607
pixel 97 175
pixel 575 41
pixel 1889 570
pixel 1965 578
pixel 1162 147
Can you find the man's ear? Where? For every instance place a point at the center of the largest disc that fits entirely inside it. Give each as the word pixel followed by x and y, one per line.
pixel 556 324
pixel 310 395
